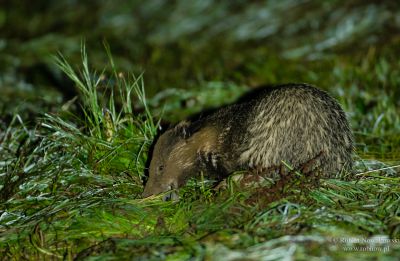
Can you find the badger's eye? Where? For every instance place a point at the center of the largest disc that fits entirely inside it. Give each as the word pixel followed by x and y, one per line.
pixel 160 168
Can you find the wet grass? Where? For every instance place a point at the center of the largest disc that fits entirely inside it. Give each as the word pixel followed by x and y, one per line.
pixel 71 189
pixel 72 168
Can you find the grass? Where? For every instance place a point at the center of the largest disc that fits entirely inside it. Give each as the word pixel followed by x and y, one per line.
pixel 70 189
pixel 72 168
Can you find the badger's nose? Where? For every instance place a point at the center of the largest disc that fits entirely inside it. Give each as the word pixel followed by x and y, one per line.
pixel 170 193
pixel 147 192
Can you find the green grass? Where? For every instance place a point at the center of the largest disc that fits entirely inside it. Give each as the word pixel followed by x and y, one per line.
pixel 70 187
pixel 72 168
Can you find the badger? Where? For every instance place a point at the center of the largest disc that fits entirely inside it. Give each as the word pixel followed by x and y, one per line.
pixel 290 123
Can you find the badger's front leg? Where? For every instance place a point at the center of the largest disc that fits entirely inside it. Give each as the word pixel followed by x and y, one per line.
pixel 211 164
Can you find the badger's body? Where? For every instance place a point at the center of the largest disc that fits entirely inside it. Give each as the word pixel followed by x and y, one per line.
pixel 291 123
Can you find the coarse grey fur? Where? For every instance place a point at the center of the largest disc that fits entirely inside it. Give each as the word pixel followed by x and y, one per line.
pixel 292 123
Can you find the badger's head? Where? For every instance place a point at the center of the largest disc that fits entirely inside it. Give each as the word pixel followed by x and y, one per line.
pixel 174 158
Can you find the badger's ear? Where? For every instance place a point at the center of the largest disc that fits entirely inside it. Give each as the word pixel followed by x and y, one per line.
pixel 183 129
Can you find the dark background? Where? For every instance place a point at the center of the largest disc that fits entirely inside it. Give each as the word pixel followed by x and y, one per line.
pixel 183 44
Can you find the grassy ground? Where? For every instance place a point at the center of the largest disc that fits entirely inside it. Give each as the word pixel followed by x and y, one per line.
pixel 72 163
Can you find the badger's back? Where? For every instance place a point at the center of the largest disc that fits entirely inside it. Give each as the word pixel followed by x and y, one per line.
pixel 291 123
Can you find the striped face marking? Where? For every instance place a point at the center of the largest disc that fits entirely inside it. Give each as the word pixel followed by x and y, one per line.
pixel 174 157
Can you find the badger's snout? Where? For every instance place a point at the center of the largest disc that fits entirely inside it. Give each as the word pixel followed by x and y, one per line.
pixel 151 189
